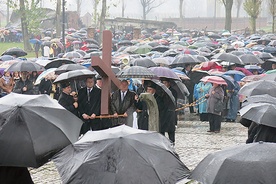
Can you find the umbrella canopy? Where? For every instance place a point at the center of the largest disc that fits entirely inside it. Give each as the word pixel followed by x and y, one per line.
pixel 143 49
pixel 73 75
pixel 261 113
pixel 68 67
pixel 237 75
pixel 271 76
pixel 208 65
pixel 251 78
pixel 161 61
pixel 33 128
pixel 259 99
pixel 260 87
pixel 228 79
pixel 58 62
pixel 164 72
pixel 120 155
pixel 246 164
pixel 42 62
pixel 27 66
pixel 48 74
pixel 181 89
pixel 73 54
pixel 180 74
pixel 135 72
pixel 164 92
pixel 160 48
pixel 7 64
pixel 15 52
pixel 145 62
pixel 243 70
pixel 6 58
pixel 181 60
pixel 214 79
pixel 228 58
pixel 250 59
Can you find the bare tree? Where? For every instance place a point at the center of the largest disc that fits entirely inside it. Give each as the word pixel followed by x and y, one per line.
pixel 181 9
pixel 58 19
pixel 79 3
pixel 253 9
pixel 95 13
pixel 148 5
pixel 123 8
pixel 102 19
pixel 228 4
pixel 238 4
pixel 272 11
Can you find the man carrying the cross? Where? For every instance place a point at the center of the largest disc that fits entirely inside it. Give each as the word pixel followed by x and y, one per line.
pixel 123 103
pixel 89 99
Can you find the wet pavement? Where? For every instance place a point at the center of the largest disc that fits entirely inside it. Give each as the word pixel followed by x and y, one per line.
pixel 193 143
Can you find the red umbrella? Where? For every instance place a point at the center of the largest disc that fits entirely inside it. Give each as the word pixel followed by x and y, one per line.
pixel 243 70
pixel 214 79
pixel 206 66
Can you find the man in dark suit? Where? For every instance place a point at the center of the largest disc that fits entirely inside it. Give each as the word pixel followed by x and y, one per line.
pixel 67 100
pixel 123 103
pixel 89 99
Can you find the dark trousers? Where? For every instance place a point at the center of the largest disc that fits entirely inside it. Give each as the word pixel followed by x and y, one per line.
pixel 191 100
pixel 214 122
pixel 171 135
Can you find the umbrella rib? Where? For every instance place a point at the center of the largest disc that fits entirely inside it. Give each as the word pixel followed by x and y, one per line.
pixel 144 158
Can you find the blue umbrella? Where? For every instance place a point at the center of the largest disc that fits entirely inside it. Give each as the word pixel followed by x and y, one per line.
pixel 34 41
pixel 236 74
pixel 6 58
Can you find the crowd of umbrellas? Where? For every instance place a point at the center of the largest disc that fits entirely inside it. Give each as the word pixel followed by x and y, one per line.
pixel 35 128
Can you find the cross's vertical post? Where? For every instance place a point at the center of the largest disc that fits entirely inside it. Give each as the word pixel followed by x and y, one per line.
pixel 106 57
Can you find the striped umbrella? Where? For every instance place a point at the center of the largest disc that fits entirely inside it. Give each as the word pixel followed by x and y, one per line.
pixel 135 72
pixel 214 79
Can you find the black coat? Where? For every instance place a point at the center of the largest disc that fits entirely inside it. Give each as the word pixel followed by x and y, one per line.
pixel 45 87
pixel 119 107
pixel 167 115
pixel 18 88
pixel 90 103
pixel 67 102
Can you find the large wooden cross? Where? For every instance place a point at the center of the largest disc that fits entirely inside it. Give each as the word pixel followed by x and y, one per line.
pixel 103 67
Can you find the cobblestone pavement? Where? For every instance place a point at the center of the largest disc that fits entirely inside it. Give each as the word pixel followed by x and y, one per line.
pixel 193 143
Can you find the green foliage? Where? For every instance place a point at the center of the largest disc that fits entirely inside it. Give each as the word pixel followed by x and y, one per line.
pixel 252 8
pixel 34 14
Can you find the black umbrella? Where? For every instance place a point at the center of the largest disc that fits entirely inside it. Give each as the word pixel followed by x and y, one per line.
pixel 260 87
pixel 164 92
pixel 181 89
pixel 135 72
pixel 196 75
pixel 83 53
pixel 74 75
pixel 33 128
pixel 259 99
pixel 58 62
pixel 160 48
pixel 250 59
pixel 261 113
pixel 68 67
pixel 120 155
pixel 181 60
pixel 265 55
pixel 237 53
pixel 246 164
pixel 125 42
pixel 27 66
pixel 145 62
pixel 228 58
pixel 15 51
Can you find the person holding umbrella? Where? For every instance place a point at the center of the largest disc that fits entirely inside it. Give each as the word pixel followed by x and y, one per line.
pixel 215 95
pixel 24 85
pixel 67 100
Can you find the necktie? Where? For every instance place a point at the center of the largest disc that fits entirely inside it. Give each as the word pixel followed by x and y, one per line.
pixel 88 94
pixel 123 96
